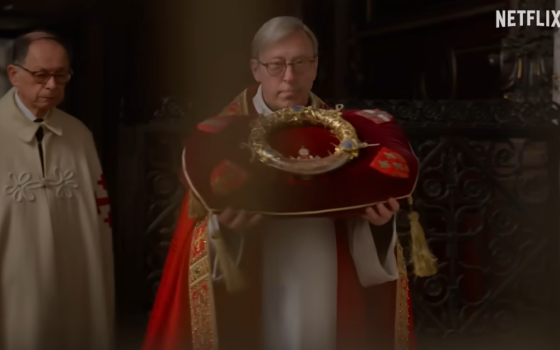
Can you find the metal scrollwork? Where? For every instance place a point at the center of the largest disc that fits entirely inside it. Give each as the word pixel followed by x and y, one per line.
pixel 169 110
pixel 479 199
pixel 461 114
pixel 165 194
pixel 164 190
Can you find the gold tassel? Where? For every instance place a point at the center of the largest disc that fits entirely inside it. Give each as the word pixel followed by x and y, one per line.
pixel 196 208
pixel 425 263
pixel 232 275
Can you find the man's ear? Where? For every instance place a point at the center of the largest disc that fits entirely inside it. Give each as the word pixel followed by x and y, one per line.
pixel 255 70
pixel 13 74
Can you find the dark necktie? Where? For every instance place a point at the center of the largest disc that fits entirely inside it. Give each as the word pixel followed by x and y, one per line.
pixel 39 136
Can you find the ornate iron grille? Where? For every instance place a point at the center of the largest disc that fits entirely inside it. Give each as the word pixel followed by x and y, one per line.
pixel 488 199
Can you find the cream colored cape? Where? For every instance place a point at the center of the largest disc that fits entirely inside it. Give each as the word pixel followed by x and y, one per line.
pixel 56 265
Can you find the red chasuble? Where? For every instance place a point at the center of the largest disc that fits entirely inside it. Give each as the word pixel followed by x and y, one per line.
pixel 193 313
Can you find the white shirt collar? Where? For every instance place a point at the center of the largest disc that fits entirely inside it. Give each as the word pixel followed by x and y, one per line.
pixel 262 108
pixel 26 112
pixel 260 105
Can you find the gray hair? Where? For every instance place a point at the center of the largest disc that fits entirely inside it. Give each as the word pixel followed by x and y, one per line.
pixel 20 46
pixel 278 28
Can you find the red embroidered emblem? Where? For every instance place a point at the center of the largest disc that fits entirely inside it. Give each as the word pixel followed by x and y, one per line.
pixel 102 200
pixel 215 124
pixel 227 177
pixel 390 163
pixel 375 115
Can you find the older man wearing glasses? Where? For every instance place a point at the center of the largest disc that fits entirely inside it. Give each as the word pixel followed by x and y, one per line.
pixel 308 290
pixel 56 277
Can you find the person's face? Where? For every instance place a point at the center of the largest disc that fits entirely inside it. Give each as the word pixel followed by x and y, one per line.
pixel 286 85
pixel 42 77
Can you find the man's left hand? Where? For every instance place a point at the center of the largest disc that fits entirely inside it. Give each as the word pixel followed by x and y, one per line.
pixel 382 212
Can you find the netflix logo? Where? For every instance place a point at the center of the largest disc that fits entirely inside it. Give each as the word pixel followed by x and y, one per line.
pixel 515 18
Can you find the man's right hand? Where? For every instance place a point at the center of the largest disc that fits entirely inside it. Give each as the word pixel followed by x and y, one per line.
pixel 238 220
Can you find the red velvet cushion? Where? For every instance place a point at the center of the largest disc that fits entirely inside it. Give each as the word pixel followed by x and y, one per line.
pixel 378 173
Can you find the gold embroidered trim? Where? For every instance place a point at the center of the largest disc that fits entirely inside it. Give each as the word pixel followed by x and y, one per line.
pixel 203 322
pixel 402 316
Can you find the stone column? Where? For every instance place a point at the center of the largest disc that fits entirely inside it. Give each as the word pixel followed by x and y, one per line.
pixel 556 60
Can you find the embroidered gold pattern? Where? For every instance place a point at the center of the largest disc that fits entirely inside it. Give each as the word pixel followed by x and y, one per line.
pixel 402 316
pixel 203 324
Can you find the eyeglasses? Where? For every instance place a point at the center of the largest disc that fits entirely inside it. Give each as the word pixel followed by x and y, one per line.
pixel 41 77
pixel 278 68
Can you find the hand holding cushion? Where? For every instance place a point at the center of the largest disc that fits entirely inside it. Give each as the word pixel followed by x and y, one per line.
pixel 238 220
pixel 382 213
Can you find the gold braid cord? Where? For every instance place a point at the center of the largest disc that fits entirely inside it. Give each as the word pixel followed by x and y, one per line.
pixel 401 315
pixel 425 263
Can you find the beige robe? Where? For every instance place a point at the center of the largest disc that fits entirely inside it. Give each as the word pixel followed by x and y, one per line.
pixel 56 265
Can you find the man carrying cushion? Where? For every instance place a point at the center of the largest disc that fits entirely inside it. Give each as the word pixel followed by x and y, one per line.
pixel 307 286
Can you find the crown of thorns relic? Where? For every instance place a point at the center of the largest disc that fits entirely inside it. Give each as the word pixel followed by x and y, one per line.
pixel 348 147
